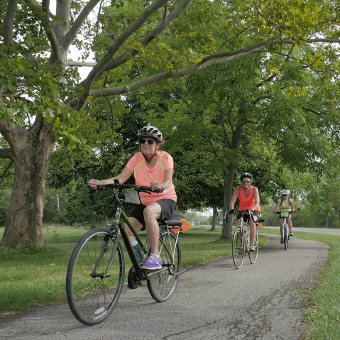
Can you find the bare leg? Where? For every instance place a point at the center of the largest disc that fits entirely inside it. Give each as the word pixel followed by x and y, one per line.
pixel 151 213
pixel 252 227
pixel 290 224
pixel 136 224
pixel 281 223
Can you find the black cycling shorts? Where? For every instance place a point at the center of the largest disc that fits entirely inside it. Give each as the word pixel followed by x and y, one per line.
pixel 167 208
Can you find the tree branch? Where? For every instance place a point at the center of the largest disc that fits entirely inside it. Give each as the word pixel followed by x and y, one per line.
pixel 213 60
pixel 104 65
pixel 83 15
pixel 166 75
pixel 8 23
pixel 152 34
pixel 7 168
pixel 80 63
pixel 6 153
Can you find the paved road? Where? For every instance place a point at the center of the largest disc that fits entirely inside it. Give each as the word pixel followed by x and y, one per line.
pixel 212 301
pixel 331 231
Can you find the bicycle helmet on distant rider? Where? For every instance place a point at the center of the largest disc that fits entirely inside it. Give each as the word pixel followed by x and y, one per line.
pixel 285 192
pixel 151 132
pixel 246 175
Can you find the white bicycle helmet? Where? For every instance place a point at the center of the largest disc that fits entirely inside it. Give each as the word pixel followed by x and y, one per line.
pixel 151 132
pixel 285 192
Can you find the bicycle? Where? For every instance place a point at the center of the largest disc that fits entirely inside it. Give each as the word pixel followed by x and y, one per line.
pixel 285 229
pixel 96 270
pixel 241 239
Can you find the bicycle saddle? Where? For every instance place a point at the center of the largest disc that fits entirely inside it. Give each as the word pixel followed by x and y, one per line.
pixel 174 220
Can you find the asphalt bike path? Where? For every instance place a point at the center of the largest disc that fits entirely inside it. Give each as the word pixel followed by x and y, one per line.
pixel 265 300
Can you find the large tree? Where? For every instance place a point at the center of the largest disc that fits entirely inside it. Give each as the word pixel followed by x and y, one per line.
pixel 135 44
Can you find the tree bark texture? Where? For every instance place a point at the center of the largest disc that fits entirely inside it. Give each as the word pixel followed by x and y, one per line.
pixel 213 224
pixel 31 151
pixel 229 184
pixel 228 193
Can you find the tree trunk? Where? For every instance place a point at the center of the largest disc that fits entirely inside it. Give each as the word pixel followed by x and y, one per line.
pixel 327 222
pixel 213 224
pixel 31 151
pixel 228 193
pixel 229 184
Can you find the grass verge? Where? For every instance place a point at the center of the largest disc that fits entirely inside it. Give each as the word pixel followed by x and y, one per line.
pixel 323 314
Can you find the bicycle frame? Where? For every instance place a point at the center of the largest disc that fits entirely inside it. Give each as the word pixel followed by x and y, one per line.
pixel 241 241
pixel 118 226
pixel 244 224
pixel 172 255
pixel 285 229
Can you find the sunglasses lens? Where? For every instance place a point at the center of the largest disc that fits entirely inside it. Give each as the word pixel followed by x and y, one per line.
pixel 148 141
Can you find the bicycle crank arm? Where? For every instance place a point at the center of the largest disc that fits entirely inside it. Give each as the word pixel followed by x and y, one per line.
pixel 182 271
pixel 102 276
pixel 153 272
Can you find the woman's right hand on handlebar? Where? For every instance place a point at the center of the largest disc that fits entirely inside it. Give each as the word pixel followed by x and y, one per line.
pixel 93 183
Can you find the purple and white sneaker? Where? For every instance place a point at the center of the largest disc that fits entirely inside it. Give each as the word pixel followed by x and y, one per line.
pixel 152 263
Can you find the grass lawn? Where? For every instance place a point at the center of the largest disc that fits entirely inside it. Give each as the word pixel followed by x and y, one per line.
pixel 34 277
pixel 323 314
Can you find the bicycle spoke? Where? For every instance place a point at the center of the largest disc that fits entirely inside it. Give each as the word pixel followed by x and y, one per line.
pixel 238 248
pixel 162 283
pixel 285 236
pixel 95 277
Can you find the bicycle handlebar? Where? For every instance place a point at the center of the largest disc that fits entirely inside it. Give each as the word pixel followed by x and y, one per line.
pixel 135 187
pixel 235 211
pixel 290 212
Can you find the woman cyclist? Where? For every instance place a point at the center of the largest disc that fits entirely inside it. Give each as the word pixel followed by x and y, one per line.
pixel 286 204
pixel 249 198
pixel 150 167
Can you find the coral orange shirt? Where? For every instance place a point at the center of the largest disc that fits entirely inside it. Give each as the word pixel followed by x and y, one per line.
pixel 143 176
pixel 247 202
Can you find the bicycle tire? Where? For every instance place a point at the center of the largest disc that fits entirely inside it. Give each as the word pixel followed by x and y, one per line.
pixel 163 282
pixel 238 248
pixel 285 237
pixel 253 255
pixel 92 297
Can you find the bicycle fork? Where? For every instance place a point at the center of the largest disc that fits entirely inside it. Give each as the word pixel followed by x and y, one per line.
pixel 103 252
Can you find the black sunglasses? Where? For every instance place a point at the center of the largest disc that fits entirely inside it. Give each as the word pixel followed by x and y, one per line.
pixel 148 141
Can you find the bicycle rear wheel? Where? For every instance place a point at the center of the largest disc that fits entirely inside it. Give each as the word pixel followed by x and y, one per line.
pixel 163 282
pixel 95 276
pixel 238 248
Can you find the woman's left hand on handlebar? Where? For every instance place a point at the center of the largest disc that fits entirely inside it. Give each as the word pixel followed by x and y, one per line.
pixel 156 186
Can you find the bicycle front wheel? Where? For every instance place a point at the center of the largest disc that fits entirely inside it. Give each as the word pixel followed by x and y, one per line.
pixel 95 276
pixel 253 255
pixel 163 282
pixel 285 235
pixel 238 248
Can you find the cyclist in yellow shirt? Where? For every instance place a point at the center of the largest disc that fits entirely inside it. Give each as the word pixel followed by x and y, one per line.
pixel 286 204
